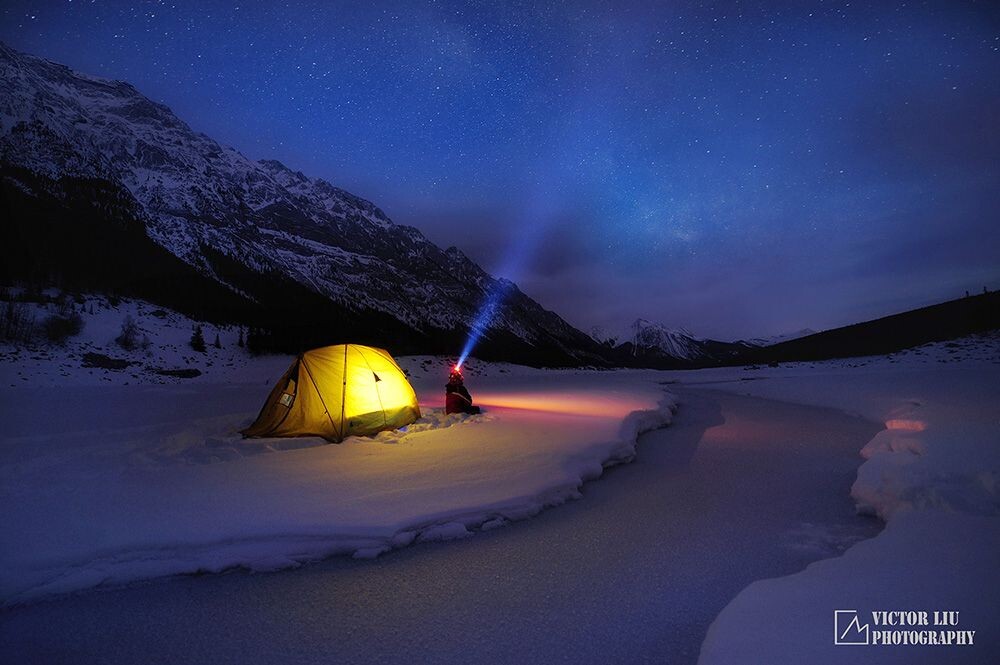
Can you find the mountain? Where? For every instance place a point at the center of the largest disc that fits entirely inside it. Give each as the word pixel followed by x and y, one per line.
pixel 649 344
pixel 936 323
pixel 777 339
pixel 647 336
pixel 108 189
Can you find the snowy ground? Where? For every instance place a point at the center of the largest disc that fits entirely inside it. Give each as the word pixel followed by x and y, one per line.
pixel 737 489
pixel 932 474
pixel 110 476
pixel 94 358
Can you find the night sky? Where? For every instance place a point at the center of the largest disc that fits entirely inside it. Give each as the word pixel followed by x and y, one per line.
pixel 737 169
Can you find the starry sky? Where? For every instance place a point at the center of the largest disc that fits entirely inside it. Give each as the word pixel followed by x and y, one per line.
pixel 735 168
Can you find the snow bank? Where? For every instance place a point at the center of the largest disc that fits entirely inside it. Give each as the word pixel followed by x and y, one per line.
pixel 942 453
pixel 123 483
pixel 927 560
pixel 932 474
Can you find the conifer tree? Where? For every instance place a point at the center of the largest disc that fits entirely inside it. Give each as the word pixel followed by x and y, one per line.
pixel 198 340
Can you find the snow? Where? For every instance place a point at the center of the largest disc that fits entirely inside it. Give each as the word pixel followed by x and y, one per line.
pixel 931 474
pixel 111 476
pixel 168 334
pixel 633 572
pixel 676 342
pixel 938 404
pixel 127 482
pixel 929 560
pixel 777 339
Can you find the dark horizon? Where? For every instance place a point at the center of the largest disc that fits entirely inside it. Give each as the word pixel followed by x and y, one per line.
pixel 738 173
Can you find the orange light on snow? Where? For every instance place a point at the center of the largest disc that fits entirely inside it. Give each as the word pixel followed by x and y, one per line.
pixel 906 425
pixel 573 404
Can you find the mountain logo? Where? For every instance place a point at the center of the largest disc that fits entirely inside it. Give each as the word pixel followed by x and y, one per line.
pixel 847 629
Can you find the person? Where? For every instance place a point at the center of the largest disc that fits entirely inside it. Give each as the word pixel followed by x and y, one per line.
pixel 456 396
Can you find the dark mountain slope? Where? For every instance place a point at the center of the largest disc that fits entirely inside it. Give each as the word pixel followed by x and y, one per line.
pixel 104 186
pixel 935 323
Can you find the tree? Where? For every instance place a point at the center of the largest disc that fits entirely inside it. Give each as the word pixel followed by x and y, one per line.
pixel 128 339
pixel 218 344
pixel 239 341
pixel 198 340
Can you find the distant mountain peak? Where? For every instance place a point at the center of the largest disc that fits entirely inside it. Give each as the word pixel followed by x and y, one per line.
pixel 777 339
pixel 648 343
pixel 672 341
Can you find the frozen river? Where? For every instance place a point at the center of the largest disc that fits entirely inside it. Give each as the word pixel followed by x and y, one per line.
pixel 736 490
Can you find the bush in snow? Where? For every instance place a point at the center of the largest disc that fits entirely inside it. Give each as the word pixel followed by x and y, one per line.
pixel 130 338
pixel 17 322
pixel 129 335
pixel 62 325
pixel 197 340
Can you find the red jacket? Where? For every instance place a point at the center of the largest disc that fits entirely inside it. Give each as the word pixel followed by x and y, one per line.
pixel 457 399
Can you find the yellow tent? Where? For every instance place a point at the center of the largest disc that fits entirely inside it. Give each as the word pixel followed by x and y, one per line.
pixel 337 391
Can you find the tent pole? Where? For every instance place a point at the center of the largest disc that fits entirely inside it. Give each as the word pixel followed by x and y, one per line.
pixel 322 401
pixel 378 393
pixel 343 395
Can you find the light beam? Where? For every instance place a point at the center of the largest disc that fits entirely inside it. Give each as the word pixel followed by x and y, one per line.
pixel 533 228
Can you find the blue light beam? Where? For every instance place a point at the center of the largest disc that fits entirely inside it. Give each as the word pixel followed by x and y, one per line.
pixel 513 265
pixel 494 298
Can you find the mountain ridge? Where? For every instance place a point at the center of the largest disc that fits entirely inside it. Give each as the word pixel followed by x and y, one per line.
pixel 647 343
pixel 239 222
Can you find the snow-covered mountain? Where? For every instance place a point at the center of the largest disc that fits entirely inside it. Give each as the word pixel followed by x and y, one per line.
pixel 777 339
pixel 647 340
pixel 81 147
pixel 645 336
pixel 676 342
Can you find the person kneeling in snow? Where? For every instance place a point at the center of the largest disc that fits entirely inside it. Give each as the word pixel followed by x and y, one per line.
pixel 456 396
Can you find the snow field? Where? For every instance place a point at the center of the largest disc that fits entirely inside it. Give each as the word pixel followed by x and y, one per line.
pixel 124 483
pixel 113 476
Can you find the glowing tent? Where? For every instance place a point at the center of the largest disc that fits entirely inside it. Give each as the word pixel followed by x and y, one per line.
pixel 337 391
